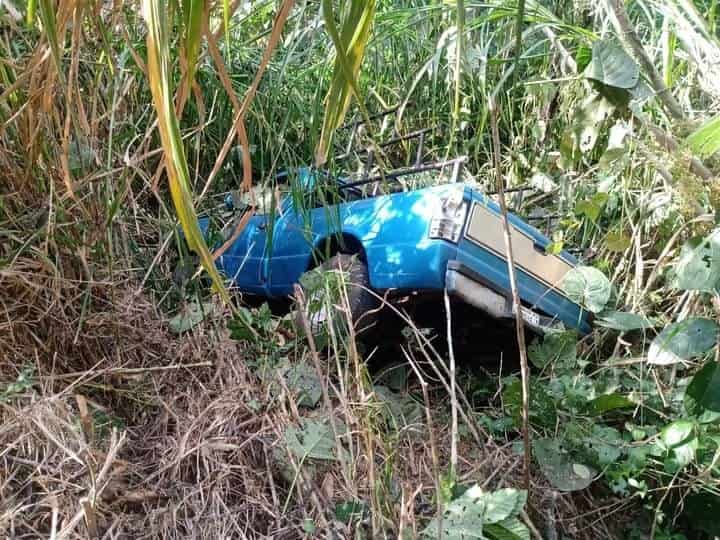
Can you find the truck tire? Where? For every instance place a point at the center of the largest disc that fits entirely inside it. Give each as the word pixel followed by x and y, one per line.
pixel 362 303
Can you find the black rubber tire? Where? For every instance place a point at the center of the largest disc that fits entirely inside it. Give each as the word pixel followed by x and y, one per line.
pixel 363 304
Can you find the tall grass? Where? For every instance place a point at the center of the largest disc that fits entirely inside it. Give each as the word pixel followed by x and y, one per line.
pixel 106 117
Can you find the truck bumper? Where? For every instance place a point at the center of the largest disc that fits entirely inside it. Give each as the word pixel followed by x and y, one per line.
pixel 463 283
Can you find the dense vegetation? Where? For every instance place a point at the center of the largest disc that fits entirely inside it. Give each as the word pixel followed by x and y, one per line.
pixel 138 400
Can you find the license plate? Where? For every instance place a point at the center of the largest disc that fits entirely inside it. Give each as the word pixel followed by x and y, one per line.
pixel 528 316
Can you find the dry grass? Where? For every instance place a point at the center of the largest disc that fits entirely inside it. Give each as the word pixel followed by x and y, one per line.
pixel 114 435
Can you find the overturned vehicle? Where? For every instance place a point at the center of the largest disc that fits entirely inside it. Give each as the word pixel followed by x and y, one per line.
pixel 394 238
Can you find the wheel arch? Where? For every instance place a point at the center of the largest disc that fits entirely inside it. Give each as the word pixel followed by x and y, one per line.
pixel 331 245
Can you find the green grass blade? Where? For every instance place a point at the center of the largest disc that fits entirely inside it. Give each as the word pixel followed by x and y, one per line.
pixel 160 78
pixel 193 14
pixel 30 13
pixel 47 17
pixel 350 47
pixel 706 140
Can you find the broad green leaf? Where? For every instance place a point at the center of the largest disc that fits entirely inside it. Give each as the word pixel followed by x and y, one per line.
pixel 558 467
pixel 617 242
pixel 309 526
pixel 605 443
pixel 608 402
pixel 463 518
pixel 706 140
pixel 468 516
pixel 703 392
pixel 612 66
pixel 190 316
pixel 679 437
pixel 592 207
pixel 698 267
pixel 587 286
pixel 623 321
pixel 509 529
pixel 400 410
pixel 543 412
pixel 677 433
pixel 504 503
pixel 683 341
pixel 314 440
pixel 302 380
pixel 584 132
pixel 554 347
pixel 349 511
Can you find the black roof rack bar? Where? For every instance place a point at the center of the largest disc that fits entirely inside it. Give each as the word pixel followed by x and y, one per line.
pixel 375 116
pixel 524 187
pixel 456 162
pixel 412 135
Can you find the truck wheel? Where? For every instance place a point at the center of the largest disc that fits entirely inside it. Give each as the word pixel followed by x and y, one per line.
pixel 362 303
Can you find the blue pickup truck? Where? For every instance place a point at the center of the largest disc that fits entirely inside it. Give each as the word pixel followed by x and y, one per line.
pixel 425 240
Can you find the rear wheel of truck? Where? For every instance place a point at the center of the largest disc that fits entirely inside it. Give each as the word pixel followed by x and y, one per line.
pixel 327 301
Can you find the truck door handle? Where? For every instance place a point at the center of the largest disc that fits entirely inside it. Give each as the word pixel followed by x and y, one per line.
pixel 262 226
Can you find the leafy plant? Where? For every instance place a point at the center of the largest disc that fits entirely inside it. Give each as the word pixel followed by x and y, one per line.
pixel 480 514
pixel 682 341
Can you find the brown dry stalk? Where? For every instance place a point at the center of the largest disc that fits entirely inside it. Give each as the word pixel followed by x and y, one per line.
pixel 519 323
pixel 238 127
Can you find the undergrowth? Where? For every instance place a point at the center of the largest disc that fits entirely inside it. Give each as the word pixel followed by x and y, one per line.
pixel 134 403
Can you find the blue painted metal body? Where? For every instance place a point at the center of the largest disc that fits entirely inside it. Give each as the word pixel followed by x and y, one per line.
pixel 393 232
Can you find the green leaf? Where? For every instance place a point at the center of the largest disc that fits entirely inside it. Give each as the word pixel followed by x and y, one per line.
pixel 504 503
pixel 350 45
pixel 312 440
pixel 703 392
pixel 193 14
pixel 583 57
pixel 608 402
pixel 349 511
pixel 302 380
pixel 556 464
pixel 591 208
pixel 477 512
pixel 554 347
pixel 587 286
pixel 623 321
pixel 159 72
pixel 612 66
pixel 309 526
pixel 679 437
pixel 584 132
pixel 706 140
pixel 462 519
pixel 605 443
pixel 683 341
pixel 698 267
pixel 190 316
pixel 509 529
pixel 543 412
pixel 617 242
pixel 399 410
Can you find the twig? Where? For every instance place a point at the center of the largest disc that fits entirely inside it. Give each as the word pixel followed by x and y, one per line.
pixel 519 323
pixel 125 371
pixel 431 436
pixel 453 389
